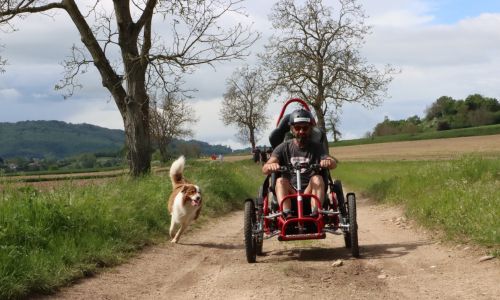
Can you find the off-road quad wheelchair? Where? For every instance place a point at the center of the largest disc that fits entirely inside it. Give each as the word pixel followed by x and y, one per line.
pixel 263 217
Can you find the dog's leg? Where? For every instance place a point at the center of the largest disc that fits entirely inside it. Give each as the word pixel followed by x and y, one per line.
pixel 179 232
pixel 172 226
pixel 197 214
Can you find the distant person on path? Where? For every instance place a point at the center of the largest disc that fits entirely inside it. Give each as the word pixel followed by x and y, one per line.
pixel 263 156
pixel 256 155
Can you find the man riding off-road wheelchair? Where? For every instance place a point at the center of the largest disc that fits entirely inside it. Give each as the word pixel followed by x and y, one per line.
pixel 298 200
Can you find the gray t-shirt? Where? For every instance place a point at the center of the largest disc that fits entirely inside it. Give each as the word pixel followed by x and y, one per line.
pixel 288 152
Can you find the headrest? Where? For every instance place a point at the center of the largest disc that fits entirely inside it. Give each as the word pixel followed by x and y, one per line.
pixel 277 136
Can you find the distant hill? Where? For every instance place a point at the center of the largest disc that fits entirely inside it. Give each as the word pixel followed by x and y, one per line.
pixel 205 148
pixel 57 139
pixel 38 139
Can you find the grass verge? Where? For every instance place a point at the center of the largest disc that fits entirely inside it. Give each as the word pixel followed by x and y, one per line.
pixel 460 197
pixel 51 238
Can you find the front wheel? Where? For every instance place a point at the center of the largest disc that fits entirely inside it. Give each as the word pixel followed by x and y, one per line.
pixel 249 222
pixel 353 225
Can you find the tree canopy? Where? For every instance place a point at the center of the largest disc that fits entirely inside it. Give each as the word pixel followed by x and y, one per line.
pixel 170 118
pixel 132 58
pixel 446 113
pixel 245 102
pixel 314 54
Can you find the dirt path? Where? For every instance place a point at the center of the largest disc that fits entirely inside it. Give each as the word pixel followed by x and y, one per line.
pixel 397 261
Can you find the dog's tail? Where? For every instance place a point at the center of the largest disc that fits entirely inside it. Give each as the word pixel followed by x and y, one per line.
pixel 176 171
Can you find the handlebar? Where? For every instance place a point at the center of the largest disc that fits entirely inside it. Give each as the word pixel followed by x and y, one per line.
pixel 299 166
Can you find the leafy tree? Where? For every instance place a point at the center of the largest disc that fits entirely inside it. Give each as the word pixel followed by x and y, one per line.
pixel 315 55
pixel 168 120
pixel 411 125
pixel 443 106
pixel 87 161
pixel 387 127
pixel 475 110
pixel 189 150
pixel 245 102
pixel 144 58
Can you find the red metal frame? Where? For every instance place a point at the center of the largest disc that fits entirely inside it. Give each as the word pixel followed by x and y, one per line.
pixel 302 102
pixel 283 223
pixel 301 219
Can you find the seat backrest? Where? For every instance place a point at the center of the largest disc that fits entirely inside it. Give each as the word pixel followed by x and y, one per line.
pixel 319 136
pixel 277 136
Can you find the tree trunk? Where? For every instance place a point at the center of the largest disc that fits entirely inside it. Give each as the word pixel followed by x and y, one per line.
pixel 252 138
pixel 133 102
pixel 137 139
pixel 162 146
pixel 319 115
pixel 136 121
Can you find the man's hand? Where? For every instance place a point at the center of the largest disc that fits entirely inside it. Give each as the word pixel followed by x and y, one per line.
pixel 328 163
pixel 272 165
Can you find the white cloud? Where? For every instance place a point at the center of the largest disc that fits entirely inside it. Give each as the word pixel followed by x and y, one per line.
pixel 209 126
pixel 455 59
pixel 9 94
pixel 399 19
pixel 98 112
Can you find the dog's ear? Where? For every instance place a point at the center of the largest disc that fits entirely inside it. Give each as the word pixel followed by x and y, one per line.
pixel 184 188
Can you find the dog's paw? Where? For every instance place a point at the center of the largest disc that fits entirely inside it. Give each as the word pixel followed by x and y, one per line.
pixel 174 241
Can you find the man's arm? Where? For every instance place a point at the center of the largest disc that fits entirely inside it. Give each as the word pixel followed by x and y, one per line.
pixel 271 165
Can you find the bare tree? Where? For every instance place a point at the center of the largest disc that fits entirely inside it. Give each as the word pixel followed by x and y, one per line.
pixel 314 55
pixel 169 119
pixel 245 102
pixel 333 123
pixel 130 57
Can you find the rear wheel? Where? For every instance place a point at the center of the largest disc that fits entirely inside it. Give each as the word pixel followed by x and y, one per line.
pixel 249 222
pixel 353 225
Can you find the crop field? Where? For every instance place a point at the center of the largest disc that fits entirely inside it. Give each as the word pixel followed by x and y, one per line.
pixel 488 145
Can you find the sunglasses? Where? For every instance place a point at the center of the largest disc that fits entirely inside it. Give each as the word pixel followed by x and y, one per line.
pixel 301 127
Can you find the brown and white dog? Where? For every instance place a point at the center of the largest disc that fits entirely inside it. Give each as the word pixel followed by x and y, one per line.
pixel 185 202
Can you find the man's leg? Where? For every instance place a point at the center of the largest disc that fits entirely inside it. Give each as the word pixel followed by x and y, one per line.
pixel 316 187
pixel 283 189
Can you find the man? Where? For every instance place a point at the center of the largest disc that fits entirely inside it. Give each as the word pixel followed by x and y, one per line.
pixel 300 149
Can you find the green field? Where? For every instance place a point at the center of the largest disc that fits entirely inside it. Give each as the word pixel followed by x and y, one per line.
pixel 50 238
pixel 460 197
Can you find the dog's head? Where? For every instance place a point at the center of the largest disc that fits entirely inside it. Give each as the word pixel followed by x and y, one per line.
pixel 192 194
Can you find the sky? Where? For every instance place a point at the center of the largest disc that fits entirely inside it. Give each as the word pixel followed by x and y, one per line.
pixel 441 47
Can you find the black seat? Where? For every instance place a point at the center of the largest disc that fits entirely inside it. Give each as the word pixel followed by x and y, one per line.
pixel 278 135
